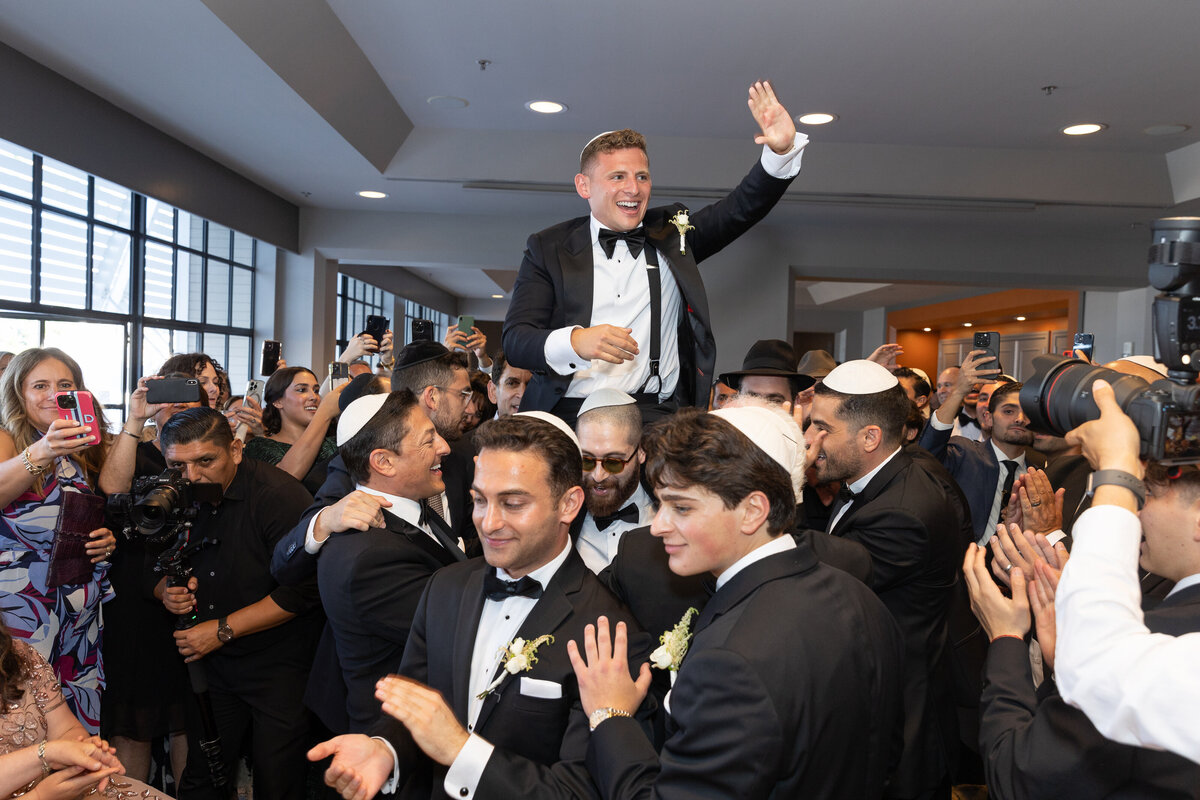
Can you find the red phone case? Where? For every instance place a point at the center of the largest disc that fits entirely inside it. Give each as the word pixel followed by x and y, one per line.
pixel 84 412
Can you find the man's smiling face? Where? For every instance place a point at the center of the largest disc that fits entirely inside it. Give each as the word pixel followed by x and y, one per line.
pixel 617 188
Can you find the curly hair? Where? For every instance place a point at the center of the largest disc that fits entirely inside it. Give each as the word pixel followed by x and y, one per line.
pixel 14 672
pixel 623 139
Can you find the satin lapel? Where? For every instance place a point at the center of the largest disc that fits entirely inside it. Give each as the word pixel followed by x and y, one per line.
pixel 470 607
pixel 577 274
pixel 873 489
pixel 550 611
pixel 418 537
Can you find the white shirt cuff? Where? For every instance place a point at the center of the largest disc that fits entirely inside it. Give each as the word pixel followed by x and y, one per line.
pixel 938 425
pixel 463 777
pixel 311 545
pixel 1054 537
pixel 389 787
pixel 560 356
pixel 788 164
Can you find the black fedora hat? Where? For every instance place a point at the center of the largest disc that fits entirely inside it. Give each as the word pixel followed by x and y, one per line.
pixel 769 357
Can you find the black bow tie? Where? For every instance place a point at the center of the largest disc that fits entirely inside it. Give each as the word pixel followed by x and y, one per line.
pixel 844 494
pixel 496 588
pixel 635 240
pixel 627 514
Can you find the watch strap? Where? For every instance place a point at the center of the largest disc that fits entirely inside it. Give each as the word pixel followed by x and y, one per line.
pixel 224 632
pixel 601 714
pixel 1117 477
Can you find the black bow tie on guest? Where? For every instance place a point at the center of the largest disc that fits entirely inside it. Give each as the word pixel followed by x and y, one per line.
pixel 844 494
pixel 496 588
pixel 635 240
pixel 627 514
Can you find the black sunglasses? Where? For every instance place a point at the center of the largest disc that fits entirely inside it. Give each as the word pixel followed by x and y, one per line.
pixel 612 466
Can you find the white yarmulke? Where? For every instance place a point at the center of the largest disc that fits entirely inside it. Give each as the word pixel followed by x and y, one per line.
pixel 923 374
pixel 357 415
pixel 594 138
pixel 776 433
pixel 860 377
pixel 546 416
pixel 603 398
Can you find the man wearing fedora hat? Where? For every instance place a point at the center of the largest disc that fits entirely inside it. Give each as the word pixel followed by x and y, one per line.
pixel 769 373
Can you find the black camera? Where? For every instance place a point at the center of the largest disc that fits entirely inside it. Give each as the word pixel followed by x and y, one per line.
pixel 1167 412
pixel 160 505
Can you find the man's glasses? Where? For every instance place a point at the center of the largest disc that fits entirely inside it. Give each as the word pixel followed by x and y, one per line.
pixel 464 392
pixel 612 465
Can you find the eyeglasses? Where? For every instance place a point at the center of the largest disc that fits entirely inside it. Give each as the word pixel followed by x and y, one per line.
pixel 464 392
pixel 612 466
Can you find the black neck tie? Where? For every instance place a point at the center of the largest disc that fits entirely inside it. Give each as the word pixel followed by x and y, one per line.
pixel 627 514
pixel 635 240
pixel 1009 478
pixel 441 531
pixel 496 588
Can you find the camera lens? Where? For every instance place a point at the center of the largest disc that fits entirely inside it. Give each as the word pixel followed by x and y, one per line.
pixel 1059 395
pixel 66 401
pixel 154 510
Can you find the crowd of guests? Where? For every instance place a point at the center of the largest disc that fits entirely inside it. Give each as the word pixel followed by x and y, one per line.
pixel 839 582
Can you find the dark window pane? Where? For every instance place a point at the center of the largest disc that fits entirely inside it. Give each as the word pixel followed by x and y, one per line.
pixel 16 251
pixel 64 261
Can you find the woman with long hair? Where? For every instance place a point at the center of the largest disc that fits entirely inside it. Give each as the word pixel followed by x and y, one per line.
pixel 43 460
pixel 295 426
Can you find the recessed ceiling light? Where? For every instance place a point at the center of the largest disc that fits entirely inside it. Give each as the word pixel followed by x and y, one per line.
pixel 497 297
pixel 966 324
pixel 545 106
pixel 1019 319
pixel 372 195
pixel 816 119
pixel 1084 129
pixel 927 330
pixel 446 101
pixel 1165 130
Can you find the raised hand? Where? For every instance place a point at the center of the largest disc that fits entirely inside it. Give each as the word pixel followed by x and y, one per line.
pixel 778 129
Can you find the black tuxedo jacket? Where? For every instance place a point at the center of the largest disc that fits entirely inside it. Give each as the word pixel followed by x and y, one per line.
pixel 291 563
pixel 1037 746
pixel 974 466
pixel 554 286
pixel 370 584
pixel 790 689
pixel 907 524
pixel 540 743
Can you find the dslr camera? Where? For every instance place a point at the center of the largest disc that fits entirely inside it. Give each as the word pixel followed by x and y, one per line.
pixel 160 505
pixel 1166 412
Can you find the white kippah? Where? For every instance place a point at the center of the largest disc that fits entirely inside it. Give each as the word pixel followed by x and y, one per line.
pixel 767 430
pixel 594 138
pixel 603 398
pixel 860 377
pixel 357 415
pixel 546 416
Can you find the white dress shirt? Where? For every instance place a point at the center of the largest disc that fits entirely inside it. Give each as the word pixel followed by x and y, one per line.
pixel 1136 687
pixel 402 507
pixel 621 297
pixel 780 544
pixel 598 547
pixel 999 500
pixel 857 487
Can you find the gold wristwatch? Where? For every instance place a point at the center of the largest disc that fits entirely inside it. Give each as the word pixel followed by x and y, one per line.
pixel 601 714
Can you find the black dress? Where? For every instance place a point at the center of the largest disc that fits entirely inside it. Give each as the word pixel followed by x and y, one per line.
pixel 147 681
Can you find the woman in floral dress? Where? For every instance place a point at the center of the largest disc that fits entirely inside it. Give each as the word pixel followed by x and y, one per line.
pixel 40 461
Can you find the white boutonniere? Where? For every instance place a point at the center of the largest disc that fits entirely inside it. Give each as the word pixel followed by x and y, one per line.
pixel 674 643
pixel 519 656
pixel 683 225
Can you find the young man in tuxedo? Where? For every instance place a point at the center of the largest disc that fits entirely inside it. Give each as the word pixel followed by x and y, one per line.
pixel 790 685
pixel 903 516
pixel 465 719
pixel 590 290
pixel 371 581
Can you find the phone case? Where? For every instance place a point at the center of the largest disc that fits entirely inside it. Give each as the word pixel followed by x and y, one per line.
pixel 78 515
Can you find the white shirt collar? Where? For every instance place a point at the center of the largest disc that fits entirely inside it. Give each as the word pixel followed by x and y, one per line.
pixel 1001 457
pixel 402 507
pixel 546 572
pixel 596 227
pixel 1190 580
pixel 860 484
pixel 780 544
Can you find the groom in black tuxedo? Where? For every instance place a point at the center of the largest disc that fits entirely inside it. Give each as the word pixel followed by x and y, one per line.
pixel 591 307
pixel 468 719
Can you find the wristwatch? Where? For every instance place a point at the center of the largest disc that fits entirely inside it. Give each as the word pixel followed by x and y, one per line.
pixel 1117 477
pixel 224 632
pixel 601 714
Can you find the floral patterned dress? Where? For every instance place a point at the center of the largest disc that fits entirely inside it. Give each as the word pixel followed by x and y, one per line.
pixel 64 623
pixel 23 724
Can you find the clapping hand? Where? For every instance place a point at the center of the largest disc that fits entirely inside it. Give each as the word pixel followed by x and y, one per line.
pixel 360 767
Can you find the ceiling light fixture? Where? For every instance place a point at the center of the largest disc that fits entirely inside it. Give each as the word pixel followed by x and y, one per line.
pixel 497 297
pixel 1084 129
pixel 816 119
pixel 545 106
pixel 966 324
pixel 372 195
pixel 927 330
pixel 446 101
pixel 1019 319
pixel 1165 130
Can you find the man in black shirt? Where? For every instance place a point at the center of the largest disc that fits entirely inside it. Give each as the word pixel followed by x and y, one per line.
pixel 255 637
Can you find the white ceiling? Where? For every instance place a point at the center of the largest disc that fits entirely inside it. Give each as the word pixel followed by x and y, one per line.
pixel 944 76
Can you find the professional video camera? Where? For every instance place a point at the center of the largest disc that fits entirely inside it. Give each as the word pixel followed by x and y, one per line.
pixel 1166 412
pixel 160 505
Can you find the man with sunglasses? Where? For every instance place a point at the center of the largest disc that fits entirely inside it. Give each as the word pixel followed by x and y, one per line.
pixel 610 433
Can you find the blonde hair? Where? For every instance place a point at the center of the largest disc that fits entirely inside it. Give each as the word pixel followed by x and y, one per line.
pixel 16 417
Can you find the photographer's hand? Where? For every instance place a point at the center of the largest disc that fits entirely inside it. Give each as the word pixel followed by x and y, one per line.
pixel 197 641
pixel 1110 442
pixel 177 599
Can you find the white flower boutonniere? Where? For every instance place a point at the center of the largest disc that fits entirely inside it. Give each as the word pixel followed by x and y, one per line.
pixel 674 643
pixel 519 656
pixel 683 225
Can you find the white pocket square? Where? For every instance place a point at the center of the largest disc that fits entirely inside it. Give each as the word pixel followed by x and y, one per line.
pixel 547 690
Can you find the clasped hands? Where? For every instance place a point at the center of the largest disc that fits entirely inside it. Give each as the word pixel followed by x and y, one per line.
pixel 78 766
